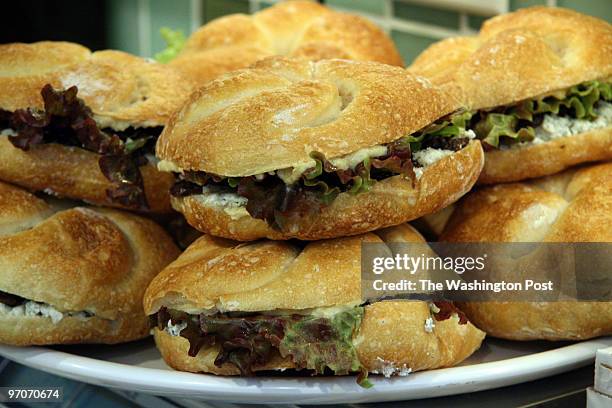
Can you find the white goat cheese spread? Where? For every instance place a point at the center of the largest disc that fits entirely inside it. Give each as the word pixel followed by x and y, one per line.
pixel 555 127
pixel 429 325
pixel 429 156
pixel 32 309
pixel 232 204
pixel 388 368
pixel 175 329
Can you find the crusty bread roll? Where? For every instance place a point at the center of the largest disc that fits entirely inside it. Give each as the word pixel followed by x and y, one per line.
pixel 273 115
pixel 527 54
pixel 573 206
pixel 219 276
pixel 77 275
pixel 122 90
pixel 294 28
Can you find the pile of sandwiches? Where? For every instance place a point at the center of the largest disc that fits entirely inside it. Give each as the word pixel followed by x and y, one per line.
pixel 287 140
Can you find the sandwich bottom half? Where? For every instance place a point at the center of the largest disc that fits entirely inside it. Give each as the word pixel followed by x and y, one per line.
pixel 393 338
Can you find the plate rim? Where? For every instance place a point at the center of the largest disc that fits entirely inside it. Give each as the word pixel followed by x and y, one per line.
pixel 309 390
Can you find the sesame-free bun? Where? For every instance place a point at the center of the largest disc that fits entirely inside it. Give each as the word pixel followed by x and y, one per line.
pixel 295 28
pixel 274 114
pixel 214 274
pixel 121 89
pixel 573 206
pixel 76 259
pixel 521 55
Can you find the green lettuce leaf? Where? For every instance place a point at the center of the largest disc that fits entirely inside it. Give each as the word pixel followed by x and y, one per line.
pixel 317 343
pixel 452 126
pixel 175 41
pixel 516 123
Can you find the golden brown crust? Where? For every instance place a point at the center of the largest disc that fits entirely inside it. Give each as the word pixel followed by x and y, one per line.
pixel 280 110
pixel 394 332
pixel 79 259
pixel 573 206
pixel 297 28
pixel 121 89
pixel 537 160
pixel 30 331
pixel 215 274
pixel 541 321
pixel 520 55
pixel 75 173
pixel 389 202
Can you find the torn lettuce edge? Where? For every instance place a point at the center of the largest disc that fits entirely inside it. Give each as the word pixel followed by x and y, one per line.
pixel 67 120
pixel 522 122
pixel 175 41
pixel 319 339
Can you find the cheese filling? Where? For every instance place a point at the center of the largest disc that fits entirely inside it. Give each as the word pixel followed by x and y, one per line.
pixel 556 127
pixel 235 205
pixel 38 309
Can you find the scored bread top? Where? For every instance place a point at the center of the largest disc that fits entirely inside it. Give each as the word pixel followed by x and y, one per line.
pixel 121 89
pixel 520 55
pixel 295 28
pixel 573 206
pixel 274 114
pixel 78 258
pixel 215 274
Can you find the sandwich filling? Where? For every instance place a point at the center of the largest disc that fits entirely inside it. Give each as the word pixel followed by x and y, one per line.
pixel 68 121
pixel 318 342
pixel 572 111
pixel 16 306
pixel 278 196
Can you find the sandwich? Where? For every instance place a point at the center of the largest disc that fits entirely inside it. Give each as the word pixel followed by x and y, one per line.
pixel 237 309
pixel 290 148
pixel 539 83
pixel 83 125
pixel 74 274
pixel 302 29
pixel 572 206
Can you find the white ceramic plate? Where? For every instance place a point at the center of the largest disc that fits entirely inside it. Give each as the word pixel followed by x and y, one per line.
pixel 138 367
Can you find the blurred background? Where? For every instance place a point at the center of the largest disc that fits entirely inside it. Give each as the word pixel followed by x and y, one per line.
pixel 133 25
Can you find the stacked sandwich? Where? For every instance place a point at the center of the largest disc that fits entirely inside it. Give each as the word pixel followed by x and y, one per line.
pixel 539 85
pixel 286 149
pixel 80 125
pixel 288 167
pixel 337 153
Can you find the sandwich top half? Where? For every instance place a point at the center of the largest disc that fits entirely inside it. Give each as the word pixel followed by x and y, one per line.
pixel 292 28
pixel 539 82
pixel 292 148
pixel 229 308
pixel 83 124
